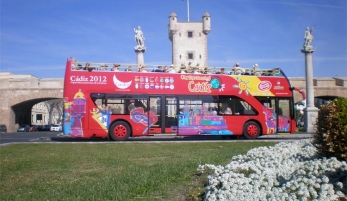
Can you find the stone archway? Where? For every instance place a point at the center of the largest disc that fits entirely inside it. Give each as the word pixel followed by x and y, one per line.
pixel 16 108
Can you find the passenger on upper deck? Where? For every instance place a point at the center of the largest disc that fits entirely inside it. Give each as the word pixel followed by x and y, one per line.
pixel 159 69
pixel 165 69
pixel 129 69
pixel 196 70
pixel 115 67
pixel 256 70
pixel 103 67
pixel 247 72
pixel 183 69
pixel 86 67
pixel 237 69
pixel 172 69
pixel 79 67
pixel 206 70
pixel 222 71
pixel 144 69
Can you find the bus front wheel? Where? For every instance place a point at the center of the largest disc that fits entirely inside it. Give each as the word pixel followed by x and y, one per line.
pixel 120 131
pixel 251 130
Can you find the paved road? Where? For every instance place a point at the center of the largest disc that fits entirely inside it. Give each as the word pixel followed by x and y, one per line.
pixel 55 137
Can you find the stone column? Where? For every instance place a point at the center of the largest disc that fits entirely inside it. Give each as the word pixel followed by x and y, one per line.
pixel 140 50
pixel 140 61
pixel 311 112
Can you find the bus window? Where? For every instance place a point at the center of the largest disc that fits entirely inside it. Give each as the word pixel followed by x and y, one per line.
pixel 284 107
pixel 195 105
pixel 267 102
pixel 137 102
pixel 237 106
pixel 117 105
pixel 99 100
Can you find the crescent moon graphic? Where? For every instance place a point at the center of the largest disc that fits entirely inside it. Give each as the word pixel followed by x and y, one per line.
pixel 120 84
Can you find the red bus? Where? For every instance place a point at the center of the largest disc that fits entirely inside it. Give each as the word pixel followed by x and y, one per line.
pixel 99 102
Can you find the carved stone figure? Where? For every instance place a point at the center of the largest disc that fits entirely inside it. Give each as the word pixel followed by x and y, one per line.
pixel 139 37
pixel 308 37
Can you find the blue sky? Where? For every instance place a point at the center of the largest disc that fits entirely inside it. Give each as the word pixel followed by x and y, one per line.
pixel 37 36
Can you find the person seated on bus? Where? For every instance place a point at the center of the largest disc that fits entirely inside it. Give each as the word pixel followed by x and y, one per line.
pixel 206 70
pixel 172 69
pixel 222 71
pixel 132 105
pixel 270 73
pixel 196 70
pixel 212 111
pixel 78 67
pixel 236 69
pixel 228 111
pixel 159 69
pixel 247 72
pixel 129 69
pixel 256 70
pixel 87 66
pixel 165 70
pixel 103 67
pixel 183 69
pixel 144 69
pixel 115 67
pixel 181 111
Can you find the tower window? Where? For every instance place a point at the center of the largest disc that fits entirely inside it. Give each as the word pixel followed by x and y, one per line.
pixel 180 57
pixel 206 18
pixel 200 34
pixel 190 34
pixel 190 55
pixel 200 56
pixel 180 34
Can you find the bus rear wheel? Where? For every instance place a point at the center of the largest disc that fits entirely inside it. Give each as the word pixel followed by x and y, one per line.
pixel 120 131
pixel 251 130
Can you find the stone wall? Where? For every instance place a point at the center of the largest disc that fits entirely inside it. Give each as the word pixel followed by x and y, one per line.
pixel 18 93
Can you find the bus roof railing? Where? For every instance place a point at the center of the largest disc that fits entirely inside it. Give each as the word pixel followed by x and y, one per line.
pixel 94 66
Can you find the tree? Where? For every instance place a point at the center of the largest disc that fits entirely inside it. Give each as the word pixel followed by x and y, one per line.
pixel 54 108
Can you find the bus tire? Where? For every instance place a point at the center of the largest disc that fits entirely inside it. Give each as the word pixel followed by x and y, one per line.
pixel 120 131
pixel 251 130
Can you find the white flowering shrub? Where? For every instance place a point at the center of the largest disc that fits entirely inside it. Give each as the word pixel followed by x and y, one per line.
pixel 286 171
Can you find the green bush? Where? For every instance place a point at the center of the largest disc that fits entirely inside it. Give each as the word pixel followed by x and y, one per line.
pixel 331 132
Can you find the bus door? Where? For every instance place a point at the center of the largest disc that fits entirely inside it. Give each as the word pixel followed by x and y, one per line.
pixel 155 115
pixel 283 115
pixel 164 109
pixel 171 121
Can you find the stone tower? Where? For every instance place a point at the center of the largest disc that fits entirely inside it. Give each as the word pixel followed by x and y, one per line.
pixel 189 41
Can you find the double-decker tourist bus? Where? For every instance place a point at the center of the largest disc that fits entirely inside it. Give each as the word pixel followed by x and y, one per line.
pixel 111 101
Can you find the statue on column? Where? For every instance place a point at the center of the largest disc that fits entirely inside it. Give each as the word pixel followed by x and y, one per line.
pixel 308 37
pixel 139 37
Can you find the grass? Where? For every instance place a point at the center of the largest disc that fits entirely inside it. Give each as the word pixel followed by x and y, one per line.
pixel 111 171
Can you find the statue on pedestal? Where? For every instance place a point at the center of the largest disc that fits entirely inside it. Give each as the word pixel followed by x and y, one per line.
pixel 308 37
pixel 139 39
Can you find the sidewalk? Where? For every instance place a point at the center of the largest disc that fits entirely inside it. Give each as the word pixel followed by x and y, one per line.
pixel 301 135
pixel 282 135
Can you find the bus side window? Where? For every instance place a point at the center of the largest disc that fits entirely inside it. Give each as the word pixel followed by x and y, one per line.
pixel 226 105
pixel 242 107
